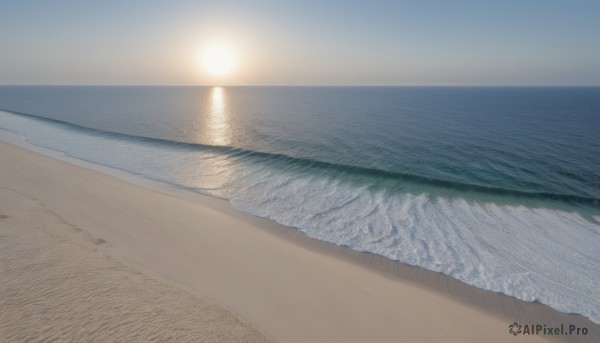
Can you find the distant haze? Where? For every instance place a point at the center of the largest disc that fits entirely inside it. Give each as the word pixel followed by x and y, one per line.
pixel 302 43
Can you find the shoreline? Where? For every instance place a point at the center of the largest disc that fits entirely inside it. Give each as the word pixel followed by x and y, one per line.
pixel 462 304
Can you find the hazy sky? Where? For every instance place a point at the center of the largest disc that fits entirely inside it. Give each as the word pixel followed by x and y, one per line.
pixel 301 42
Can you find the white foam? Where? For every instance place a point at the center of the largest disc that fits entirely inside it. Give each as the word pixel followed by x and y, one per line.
pixel 534 254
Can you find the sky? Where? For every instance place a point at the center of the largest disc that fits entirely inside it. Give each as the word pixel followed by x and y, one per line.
pixel 306 42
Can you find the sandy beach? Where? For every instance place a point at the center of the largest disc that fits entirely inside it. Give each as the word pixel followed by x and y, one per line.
pixel 88 256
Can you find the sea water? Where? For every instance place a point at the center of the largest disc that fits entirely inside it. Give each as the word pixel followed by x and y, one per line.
pixel 495 186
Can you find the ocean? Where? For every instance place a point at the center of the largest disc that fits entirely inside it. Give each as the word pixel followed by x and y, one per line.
pixel 498 187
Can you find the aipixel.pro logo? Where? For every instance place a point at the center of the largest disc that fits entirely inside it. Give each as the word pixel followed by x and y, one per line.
pixel 543 329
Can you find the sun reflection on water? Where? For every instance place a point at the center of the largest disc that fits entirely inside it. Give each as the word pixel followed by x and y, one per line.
pixel 218 128
pixel 206 169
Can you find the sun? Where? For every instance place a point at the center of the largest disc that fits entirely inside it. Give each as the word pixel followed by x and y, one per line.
pixel 218 60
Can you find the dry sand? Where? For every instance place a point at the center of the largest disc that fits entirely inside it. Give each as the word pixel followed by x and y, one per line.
pixel 56 285
pixel 202 252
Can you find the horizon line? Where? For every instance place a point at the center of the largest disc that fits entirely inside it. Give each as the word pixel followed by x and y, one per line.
pixel 293 85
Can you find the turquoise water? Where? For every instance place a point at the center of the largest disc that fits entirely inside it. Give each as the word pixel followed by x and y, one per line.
pixel 496 187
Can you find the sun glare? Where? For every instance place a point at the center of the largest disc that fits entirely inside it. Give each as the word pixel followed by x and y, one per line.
pixel 218 60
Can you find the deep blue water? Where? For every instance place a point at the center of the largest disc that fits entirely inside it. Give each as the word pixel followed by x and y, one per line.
pixel 495 186
pixel 530 139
